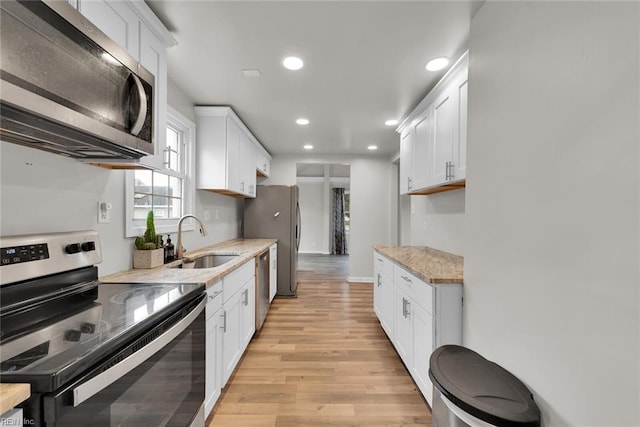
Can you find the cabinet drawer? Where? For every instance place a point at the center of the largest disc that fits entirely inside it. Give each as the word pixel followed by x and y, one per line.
pixel 235 280
pixel 415 288
pixel 383 264
pixel 214 298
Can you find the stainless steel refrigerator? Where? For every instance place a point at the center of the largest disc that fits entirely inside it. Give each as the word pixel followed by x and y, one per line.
pixel 275 214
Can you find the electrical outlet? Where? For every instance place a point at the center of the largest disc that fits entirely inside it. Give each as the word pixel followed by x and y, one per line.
pixel 207 214
pixel 104 212
pixel 217 214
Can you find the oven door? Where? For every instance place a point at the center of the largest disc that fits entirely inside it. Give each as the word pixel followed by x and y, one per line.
pixel 156 380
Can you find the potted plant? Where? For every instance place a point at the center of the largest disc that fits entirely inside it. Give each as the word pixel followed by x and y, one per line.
pixel 149 252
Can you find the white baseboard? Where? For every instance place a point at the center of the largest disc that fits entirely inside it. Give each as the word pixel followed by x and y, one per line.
pixel 360 279
pixel 313 253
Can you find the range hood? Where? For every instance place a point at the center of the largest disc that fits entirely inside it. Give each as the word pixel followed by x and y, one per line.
pixel 66 88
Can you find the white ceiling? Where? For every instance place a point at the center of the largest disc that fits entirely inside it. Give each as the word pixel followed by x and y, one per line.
pixel 364 64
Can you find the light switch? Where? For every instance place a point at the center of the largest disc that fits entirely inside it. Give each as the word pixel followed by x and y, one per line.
pixel 207 214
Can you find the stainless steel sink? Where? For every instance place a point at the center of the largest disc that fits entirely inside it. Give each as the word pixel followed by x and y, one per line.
pixel 207 261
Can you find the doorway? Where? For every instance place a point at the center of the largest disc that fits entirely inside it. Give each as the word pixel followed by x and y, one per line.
pixel 324 207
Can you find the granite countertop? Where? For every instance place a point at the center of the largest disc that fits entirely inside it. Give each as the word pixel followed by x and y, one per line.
pixel 430 265
pixel 12 395
pixel 244 248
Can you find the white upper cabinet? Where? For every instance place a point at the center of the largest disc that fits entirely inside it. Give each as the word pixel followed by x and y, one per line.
pixel 226 153
pixel 422 141
pixel 134 27
pixel 116 19
pixel 435 158
pixel 263 162
pixel 406 160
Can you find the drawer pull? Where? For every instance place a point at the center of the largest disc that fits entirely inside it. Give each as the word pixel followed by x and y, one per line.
pixel 215 294
pixel 406 279
pixel 224 320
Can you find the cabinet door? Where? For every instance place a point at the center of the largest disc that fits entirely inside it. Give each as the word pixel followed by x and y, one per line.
pixel 403 327
pixel 248 163
pixel 262 163
pixel 248 313
pixel 406 161
pixel 232 335
pixel 212 366
pixel 459 168
pixel 383 302
pixel 443 134
pixel 235 144
pixel 423 342
pixel 153 57
pixel 423 140
pixel 116 20
pixel 273 271
pixel 386 305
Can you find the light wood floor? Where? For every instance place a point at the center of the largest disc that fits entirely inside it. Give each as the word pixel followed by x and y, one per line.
pixel 321 359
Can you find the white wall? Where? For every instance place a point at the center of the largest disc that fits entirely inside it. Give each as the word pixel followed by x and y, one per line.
pixel 44 192
pixel 371 185
pixel 438 221
pixel 314 211
pixel 553 204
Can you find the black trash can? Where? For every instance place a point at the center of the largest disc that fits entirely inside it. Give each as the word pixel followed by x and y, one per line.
pixel 469 390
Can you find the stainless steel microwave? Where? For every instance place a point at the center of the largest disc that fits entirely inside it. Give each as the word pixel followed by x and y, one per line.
pixel 65 87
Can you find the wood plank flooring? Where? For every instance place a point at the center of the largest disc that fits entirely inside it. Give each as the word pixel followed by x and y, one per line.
pixel 321 359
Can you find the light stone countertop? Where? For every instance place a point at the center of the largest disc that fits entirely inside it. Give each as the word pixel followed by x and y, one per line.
pixel 244 248
pixel 12 395
pixel 431 265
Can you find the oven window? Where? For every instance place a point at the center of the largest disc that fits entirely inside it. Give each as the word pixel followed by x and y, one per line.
pixel 165 390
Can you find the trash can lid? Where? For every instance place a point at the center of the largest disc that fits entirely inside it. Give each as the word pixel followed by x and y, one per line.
pixel 482 388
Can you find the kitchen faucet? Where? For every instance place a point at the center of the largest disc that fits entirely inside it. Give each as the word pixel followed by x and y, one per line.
pixel 203 232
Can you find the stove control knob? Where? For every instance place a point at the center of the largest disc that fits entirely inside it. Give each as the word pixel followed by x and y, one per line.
pixel 72 248
pixel 72 335
pixel 88 328
pixel 88 246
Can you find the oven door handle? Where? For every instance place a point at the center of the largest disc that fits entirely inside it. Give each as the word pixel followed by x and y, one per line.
pixel 103 380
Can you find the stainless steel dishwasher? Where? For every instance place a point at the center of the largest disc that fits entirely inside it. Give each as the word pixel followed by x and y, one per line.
pixel 262 289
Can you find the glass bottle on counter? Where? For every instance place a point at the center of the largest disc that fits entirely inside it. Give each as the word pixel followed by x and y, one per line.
pixel 169 250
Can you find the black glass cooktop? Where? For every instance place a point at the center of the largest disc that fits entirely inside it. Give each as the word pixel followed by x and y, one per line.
pixel 53 351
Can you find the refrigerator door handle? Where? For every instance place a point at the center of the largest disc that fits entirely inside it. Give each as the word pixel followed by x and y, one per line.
pixel 298 226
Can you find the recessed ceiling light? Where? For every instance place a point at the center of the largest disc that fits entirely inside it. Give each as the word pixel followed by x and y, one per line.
pixel 391 122
pixel 437 64
pixel 308 147
pixel 292 63
pixel 252 72
pixel 372 147
pixel 302 121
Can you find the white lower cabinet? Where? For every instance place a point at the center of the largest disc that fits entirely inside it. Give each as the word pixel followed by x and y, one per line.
pixel 231 336
pixel 425 317
pixel 273 271
pixel 213 350
pixel 230 326
pixel 248 312
pixel 403 341
pixel 383 297
pixel 238 320
pixel 422 348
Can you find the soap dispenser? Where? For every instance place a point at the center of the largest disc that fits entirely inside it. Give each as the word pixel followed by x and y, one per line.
pixel 169 250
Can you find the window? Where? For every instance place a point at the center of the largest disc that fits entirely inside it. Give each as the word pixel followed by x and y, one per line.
pixel 169 190
pixel 347 210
